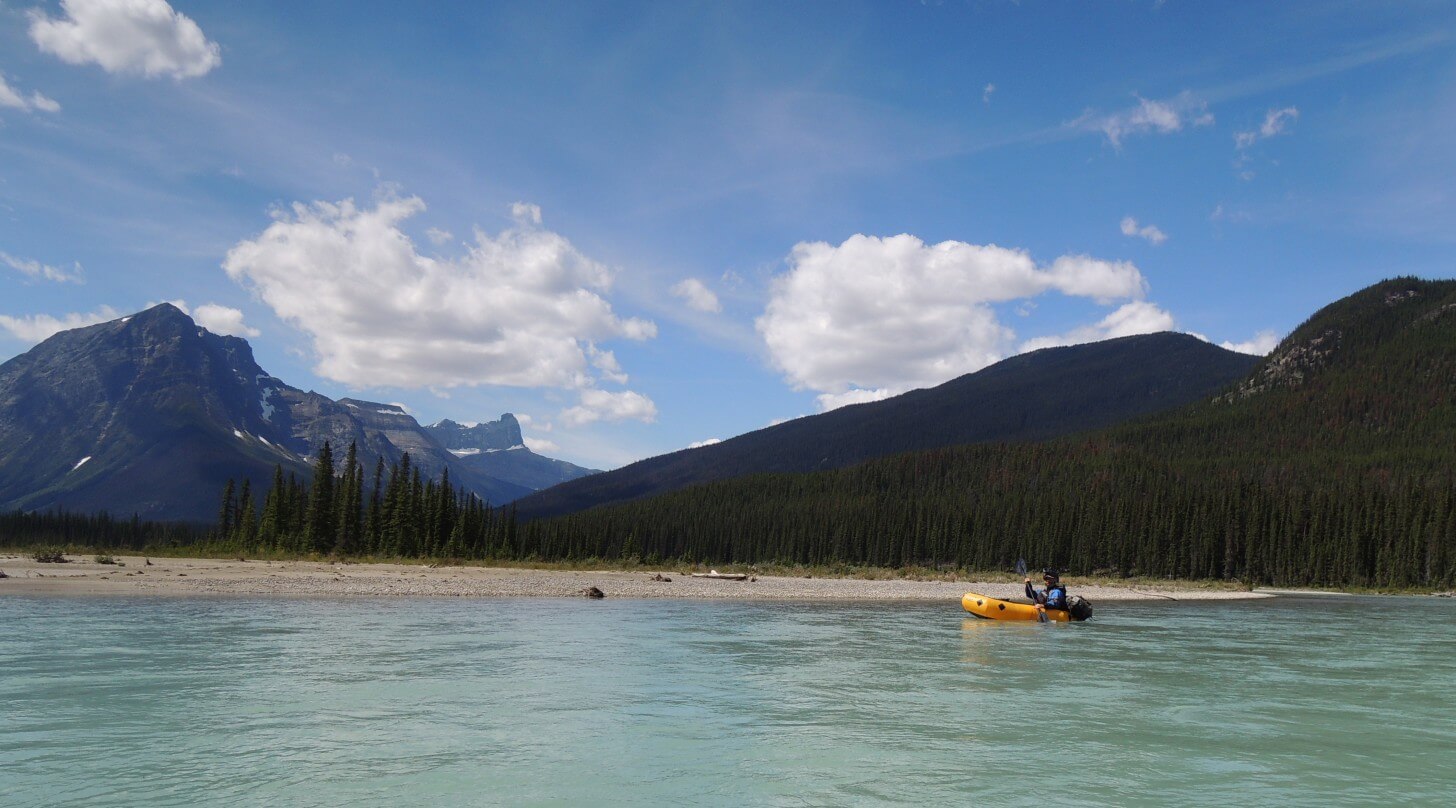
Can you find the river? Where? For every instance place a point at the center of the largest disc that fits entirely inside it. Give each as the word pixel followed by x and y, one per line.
pixel 300 702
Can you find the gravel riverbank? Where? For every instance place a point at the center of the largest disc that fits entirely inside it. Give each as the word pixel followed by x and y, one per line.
pixel 201 576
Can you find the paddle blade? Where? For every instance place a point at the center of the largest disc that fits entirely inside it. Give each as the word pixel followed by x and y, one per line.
pixel 1021 566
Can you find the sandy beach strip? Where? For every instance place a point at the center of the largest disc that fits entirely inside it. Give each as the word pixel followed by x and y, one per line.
pixel 204 576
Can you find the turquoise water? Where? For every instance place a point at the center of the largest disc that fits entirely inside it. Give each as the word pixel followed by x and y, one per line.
pixel 242 702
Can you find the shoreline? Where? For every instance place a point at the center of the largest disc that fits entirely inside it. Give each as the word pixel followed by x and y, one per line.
pixel 192 577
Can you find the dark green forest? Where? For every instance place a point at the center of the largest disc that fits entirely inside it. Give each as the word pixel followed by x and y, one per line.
pixel 394 512
pixel 94 531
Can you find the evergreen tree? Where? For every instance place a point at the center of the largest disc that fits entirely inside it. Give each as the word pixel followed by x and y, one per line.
pixel 226 513
pixel 247 531
pixel 320 534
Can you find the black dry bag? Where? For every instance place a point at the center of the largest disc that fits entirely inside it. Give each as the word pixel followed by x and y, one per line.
pixel 1079 607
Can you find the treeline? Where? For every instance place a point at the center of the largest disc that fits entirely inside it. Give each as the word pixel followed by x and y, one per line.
pixel 1088 507
pixel 96 531
pixel 395 512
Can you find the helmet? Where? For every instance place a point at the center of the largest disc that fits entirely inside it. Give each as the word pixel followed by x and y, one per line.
pixel 1051 572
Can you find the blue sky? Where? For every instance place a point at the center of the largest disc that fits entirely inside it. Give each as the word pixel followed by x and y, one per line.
pixel 647 225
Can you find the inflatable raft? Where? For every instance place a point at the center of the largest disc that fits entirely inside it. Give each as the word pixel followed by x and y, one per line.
pixel 997 609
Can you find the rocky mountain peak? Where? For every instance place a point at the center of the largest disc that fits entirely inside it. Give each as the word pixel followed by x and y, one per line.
pixel 489 436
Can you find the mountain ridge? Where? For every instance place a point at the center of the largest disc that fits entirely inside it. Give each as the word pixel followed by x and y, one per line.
pixel 1015 399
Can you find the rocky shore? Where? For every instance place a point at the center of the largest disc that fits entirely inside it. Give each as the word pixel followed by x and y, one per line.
pixel 134 575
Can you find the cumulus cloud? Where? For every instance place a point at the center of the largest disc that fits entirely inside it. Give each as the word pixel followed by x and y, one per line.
pixel 11 98
pixel 874 316
pixel 146 37
pixel 603 405
pixel 540 445
pixel 1136 317
pixel 698 444
pixel 697 295
pixel 1147 116
pixel 523 308
pixel 1148 232
pixel 1261 344
pixel 606 363
pixel 987 92
pixel 1276 122
pixel 531 423
pixel 216 318
pixel 37 327
pixel 223 320
pixel 38 271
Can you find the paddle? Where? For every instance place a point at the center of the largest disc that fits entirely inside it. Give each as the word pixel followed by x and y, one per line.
pixel 1021 570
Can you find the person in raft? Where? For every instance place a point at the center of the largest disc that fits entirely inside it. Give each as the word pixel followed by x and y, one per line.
pixel 1054 596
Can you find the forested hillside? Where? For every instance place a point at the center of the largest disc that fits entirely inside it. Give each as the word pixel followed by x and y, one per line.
pixel 1332 463
pixel 1034 396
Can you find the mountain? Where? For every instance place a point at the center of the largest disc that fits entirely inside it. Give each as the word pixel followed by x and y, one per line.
pixel 1034 396
pixel 497 449
pixel 1332 463
pixel 151 414
pixel 147 414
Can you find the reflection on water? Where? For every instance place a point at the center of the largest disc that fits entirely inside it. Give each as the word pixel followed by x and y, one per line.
pixel 479 702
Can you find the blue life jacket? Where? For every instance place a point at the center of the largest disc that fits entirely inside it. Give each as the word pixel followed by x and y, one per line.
pixel 1056 596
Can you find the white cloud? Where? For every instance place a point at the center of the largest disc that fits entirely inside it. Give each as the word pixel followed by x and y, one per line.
pixel 223 320
pixel 38 327
pixel 1275 122
pixel 525 213
pixel 697 295
pixel 602 405
pixel 11 98
pixel 1137 317
pixel 216 318
pixel 1261 344
pixel 523 308
pixel 606 362
pixel 879 316
pixel 698 444
pixel 1222 214
pixel 833 401
pixel 36 270
pixel 147 37
pixel 540 445
pixel 1149 232
pixel 1161 117
pixel 531 423
pixel 986 93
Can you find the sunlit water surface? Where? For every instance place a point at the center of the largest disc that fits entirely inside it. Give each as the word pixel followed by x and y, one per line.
pixel 242 702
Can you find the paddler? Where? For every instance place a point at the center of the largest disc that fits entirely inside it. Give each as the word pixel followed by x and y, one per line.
pixel 1054 596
